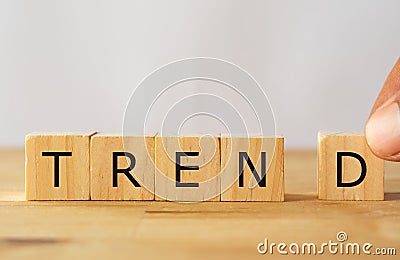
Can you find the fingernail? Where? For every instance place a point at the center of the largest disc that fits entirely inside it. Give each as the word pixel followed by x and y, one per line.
pixel 383 130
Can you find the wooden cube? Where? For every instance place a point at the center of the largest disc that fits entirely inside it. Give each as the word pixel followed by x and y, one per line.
pixel 187 168
pixel 122 168
pixel 347 169
pixel 252 169
pixel 57 166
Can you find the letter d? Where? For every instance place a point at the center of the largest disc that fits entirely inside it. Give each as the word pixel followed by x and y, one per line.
pixel 340 182
pixel 262 248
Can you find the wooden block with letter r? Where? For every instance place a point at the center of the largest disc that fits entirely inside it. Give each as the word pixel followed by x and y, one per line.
pixel 187 168
pixel 122 168
pixel 57 166
pixel 347 169
pixel 252 169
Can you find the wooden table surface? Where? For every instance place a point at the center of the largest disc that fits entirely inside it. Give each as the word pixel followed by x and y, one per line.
pixel 166 230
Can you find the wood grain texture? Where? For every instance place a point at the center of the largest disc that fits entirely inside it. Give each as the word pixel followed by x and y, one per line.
pixel 212 230
pixel 332 142
pixel 101 167
pixel 251 190
pixel 73 170
pixel 208 161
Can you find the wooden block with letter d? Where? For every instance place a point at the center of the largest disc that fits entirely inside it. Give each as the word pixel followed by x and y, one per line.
pixel 122 168
pixel 252 169
pixel 347 169
pixel 187 168
pixel 57 166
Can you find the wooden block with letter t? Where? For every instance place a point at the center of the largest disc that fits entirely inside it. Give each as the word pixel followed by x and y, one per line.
pixel 122 168
pixel 347 169
pixel 252 169
pixel 187 168
pixel 57 166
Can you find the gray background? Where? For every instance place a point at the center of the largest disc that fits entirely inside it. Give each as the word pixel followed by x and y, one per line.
pixel 70 65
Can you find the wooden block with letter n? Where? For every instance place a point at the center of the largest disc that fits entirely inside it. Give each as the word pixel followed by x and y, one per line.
pixel 347 169
pixel 187 168
pixel 122 168
pixel 57 166
pixel 252 169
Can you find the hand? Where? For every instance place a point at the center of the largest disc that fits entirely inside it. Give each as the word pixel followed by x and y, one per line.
pixel 382 129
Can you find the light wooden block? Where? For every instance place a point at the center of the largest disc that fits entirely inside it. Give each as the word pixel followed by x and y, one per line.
pixel 73 179
pixel 330 153
pixel 206 177
pixel 105 150
pixel 251 189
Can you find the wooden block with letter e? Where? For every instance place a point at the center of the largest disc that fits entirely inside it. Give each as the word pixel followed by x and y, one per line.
pixel 347 169
pixel 252 169
pixel 122 168
pixel 57 166
pixel 187 168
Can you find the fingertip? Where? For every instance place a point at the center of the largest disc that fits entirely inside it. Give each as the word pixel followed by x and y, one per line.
pixel 382 132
